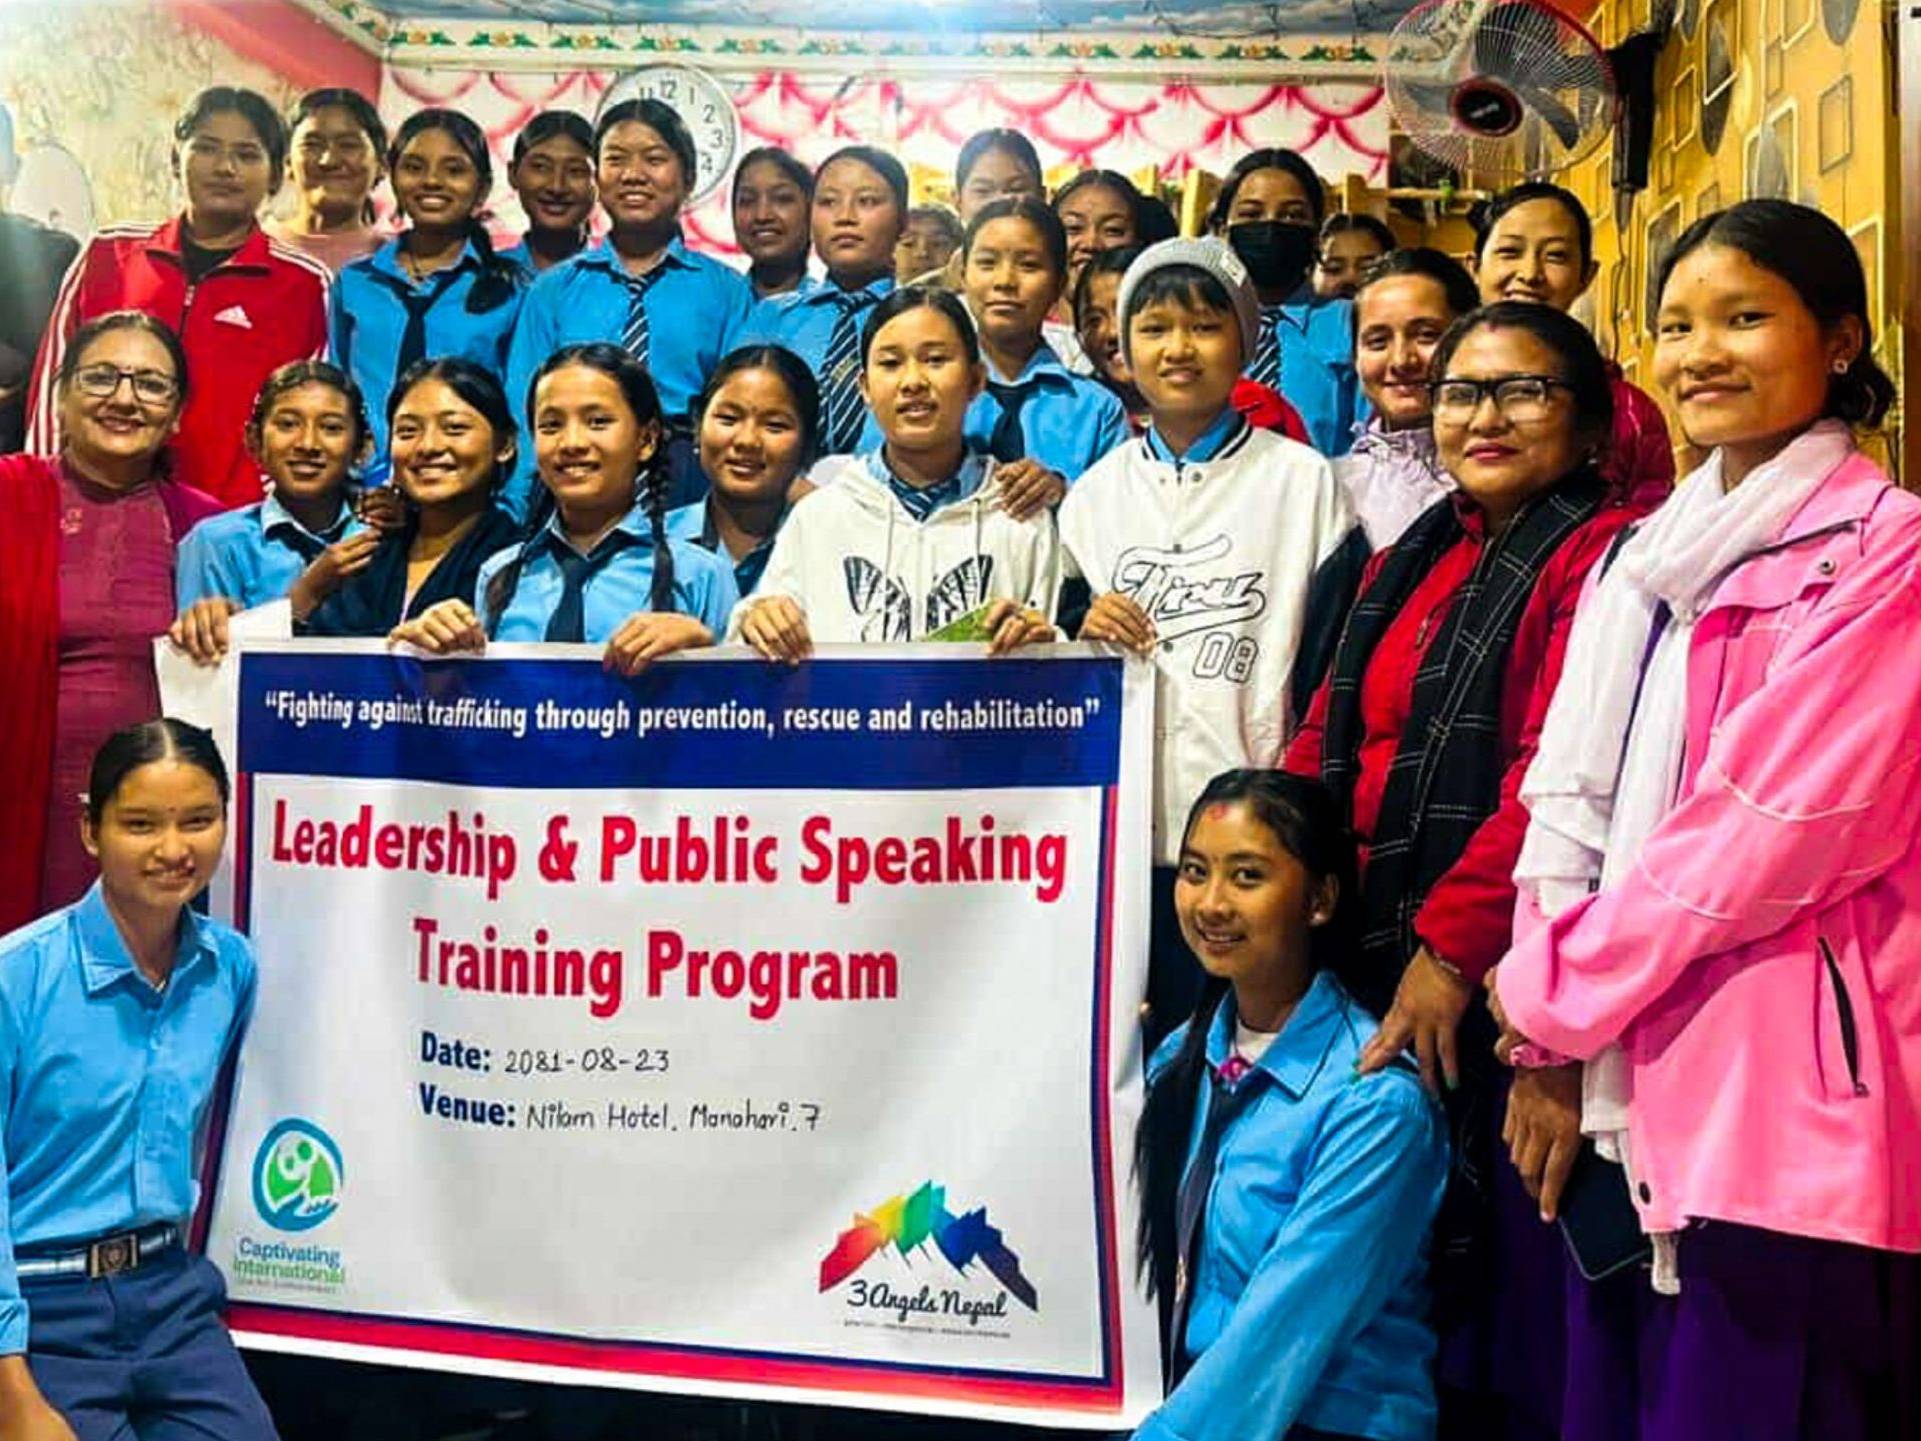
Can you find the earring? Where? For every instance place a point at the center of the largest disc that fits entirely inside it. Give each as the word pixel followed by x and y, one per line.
pixel 1841 366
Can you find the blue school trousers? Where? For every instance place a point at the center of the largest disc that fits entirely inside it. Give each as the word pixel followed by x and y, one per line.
pixel 142 1356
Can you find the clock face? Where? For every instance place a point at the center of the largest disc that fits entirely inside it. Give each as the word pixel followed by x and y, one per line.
pixel 702 103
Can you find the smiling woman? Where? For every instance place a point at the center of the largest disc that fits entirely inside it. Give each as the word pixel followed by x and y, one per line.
pixel 96 1229
pixel 86 569
pixel 1424 730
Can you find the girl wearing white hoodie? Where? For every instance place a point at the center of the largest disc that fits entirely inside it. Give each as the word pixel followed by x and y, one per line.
pixel 904 540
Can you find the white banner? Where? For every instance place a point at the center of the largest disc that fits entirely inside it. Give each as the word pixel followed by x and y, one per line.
pixel 739 1029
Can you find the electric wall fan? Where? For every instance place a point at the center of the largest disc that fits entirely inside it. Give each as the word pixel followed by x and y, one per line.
pixel 1500 89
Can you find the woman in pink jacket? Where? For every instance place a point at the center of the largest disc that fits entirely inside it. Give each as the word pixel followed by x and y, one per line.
pixel 1725 839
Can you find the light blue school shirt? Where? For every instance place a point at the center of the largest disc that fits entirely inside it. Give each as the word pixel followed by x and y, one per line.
pixel 693 524
pixel 1310 1294
pixel 1317 369
pixel 1067 423
pixel 251 555
pixel 803 320
pixel 367 318
pixel 1208 444
pixel 695 314
pixel 703 584
pixel 105 1081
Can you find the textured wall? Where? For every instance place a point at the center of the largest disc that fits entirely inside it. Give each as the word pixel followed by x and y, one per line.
pixel 105 80
pixel 1808 91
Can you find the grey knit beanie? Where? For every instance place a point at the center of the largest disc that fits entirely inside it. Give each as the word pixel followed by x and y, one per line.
pixel 1205 253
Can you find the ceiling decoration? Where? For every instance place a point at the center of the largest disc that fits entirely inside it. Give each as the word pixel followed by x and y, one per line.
pixel 1205 18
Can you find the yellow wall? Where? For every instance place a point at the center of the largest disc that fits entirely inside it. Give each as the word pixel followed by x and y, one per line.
pixel 1828 104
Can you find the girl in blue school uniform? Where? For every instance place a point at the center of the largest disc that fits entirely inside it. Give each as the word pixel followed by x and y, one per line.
pixel 308 430
pixel 597 566
pixel 117 1014
pixel 437 289
pixel 641 288
pixel 759 425
pixel 1285 1200
pixel 1041 421
pixel 1269 210
pixel 860 213
pixel 552 172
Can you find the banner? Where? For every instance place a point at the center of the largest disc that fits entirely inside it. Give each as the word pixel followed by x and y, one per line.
pixel 744 1029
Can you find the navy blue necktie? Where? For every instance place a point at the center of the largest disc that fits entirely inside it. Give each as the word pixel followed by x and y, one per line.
pixel 1008 442
pixel 1224 1103
pixel 569 620
pixel 413 340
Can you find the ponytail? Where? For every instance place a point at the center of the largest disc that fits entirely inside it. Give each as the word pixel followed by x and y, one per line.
pixel 1161 1145
pixel 505 582
pixel 654 481
pixel 500 279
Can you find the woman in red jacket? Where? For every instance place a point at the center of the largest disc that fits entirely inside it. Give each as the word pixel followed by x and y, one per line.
pixel 86 582
pixel 1424 728
pixel 243 305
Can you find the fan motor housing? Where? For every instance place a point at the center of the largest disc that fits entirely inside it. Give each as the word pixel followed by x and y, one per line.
pixel 1482 107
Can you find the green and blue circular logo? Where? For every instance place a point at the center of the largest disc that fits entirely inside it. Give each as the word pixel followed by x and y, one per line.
pixel 297 1176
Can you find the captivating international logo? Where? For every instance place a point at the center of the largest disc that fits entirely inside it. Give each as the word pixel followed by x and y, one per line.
pixel 908 1223
pixel 297 1176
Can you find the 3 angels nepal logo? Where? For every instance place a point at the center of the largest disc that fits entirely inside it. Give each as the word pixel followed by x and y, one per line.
pixel 1181 592
pixel 908 1223
pixel 297 1176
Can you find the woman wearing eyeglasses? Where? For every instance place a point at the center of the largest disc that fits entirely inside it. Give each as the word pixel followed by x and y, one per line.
pixel 1424 728
pixel 87 542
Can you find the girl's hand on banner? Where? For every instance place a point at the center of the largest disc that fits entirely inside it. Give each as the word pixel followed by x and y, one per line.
pixel 201 630
pixel 1118 618
pixel 1012 625
pixel 1427 1010
pixel 777 628
pixel 443 629
pixel 1026 487
pixel 649 635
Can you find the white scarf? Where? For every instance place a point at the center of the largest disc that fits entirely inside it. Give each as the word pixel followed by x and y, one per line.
pixel 1614 743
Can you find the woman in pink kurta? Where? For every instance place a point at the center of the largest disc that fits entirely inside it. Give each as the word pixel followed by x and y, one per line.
pixel 86 582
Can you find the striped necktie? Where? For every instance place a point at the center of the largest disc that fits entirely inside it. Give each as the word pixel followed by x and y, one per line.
pixel 1009 442
pixel 840 377
pixel 634 336
pixel 1266 365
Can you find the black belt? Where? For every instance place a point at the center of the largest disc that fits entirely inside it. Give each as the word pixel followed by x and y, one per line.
pixel 113 1255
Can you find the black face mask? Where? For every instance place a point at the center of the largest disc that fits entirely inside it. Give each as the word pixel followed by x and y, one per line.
pixel 1276 253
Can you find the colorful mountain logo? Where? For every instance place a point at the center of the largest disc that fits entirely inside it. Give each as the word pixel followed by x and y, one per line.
pixel 909 1222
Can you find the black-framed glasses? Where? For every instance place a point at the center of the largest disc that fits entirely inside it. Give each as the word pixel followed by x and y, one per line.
pixel 1518 397
pixel 150 387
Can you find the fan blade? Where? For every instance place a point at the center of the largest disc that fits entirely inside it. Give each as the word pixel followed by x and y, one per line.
pixel 1432 100
pixel 1555 115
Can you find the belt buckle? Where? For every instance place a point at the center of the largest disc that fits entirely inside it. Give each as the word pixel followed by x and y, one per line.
pixel 112 1255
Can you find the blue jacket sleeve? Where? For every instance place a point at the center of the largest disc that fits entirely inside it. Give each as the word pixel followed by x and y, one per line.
pixel 1359 1224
